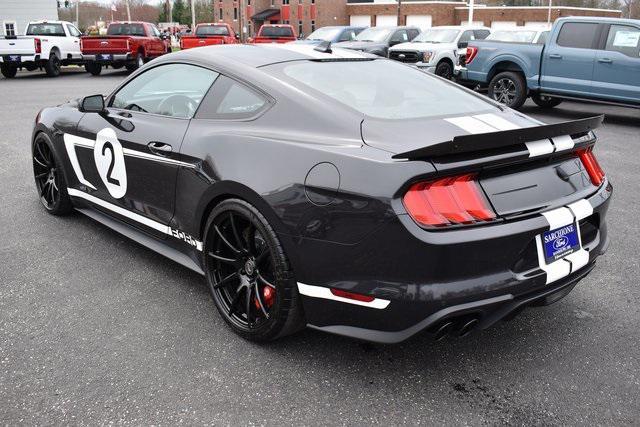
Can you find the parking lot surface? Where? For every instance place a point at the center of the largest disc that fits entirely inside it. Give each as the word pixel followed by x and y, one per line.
pixel 97 329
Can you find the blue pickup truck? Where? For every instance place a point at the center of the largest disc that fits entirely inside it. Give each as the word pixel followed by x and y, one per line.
pixel 594 59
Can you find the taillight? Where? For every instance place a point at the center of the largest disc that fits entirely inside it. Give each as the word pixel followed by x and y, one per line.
pixel 38 45
pixel 591 165
pixel 471 53
pixel 448 201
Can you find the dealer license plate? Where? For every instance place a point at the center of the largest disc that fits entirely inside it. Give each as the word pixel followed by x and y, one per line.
pixel 12 58
pixel 106 57
pixel 560 242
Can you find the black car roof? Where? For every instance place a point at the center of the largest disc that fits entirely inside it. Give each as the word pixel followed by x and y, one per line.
pixel 259 55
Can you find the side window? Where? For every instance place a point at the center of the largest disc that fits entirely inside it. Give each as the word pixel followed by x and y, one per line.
pixel 229 99
pixel 577 34
pixel 155 31
pixel 413 34
pixel 481 34
pixel 624 39
pixel 544 36
pixel 400 37
pixel 347 35
pixel 173 90
pixel 73 31
pixel 466 37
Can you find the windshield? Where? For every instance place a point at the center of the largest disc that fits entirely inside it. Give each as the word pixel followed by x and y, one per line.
pixel 276 32
pixel 212 30
pixel 375 34
pixel 438 36
pixel 513 36
pixel 126 30
pixel 45 30
pixel 325 34
pixel 366 87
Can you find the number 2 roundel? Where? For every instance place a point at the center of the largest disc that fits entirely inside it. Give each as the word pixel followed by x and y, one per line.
pixel 109 159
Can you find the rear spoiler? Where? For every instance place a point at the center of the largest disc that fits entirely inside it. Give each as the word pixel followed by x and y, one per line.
pixel 489 141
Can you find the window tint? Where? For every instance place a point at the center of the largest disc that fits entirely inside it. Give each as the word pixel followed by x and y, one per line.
pixel 212 30
pixel 577 34
pixel 400 37
pixel 45 30
pixel 276 32
pixel 229 99
pixel 174 90
pixel 467 36
pixel 347 36
pixel 365 86
pixel 481 34
pixel 413 34
pixel 126 30
pixel 74 31
pixel 624 39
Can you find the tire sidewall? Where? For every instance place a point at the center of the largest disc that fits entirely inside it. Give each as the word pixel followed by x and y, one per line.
pixel 52 66
pixel 63 205
pixel 444 66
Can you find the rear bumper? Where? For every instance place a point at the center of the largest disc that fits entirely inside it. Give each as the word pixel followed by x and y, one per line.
pixel 421 279
pixel 120 57
pixel 23 59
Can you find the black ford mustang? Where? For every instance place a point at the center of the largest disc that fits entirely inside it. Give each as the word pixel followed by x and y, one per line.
pixel 332 189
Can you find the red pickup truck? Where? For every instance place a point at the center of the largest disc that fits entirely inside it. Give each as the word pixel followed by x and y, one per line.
pixel 270 33
pixel 209 34
pixel 127 44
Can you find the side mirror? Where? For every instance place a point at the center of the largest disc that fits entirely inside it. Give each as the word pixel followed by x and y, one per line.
pixel 92 104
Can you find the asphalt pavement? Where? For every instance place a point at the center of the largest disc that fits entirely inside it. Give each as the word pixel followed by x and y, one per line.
pixel 96 329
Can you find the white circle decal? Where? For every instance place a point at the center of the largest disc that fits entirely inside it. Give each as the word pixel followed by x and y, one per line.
pixel 109 159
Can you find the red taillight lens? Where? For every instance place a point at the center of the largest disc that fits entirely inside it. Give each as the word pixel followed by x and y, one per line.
pixel 591 165
pixel 351 295
pixel 448 201
pixel 38 45
pixel 471 53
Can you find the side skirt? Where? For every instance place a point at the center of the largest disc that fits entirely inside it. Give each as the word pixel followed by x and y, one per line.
pixel 143 239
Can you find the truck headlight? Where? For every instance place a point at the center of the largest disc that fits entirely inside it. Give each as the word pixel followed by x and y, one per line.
pixel 426 56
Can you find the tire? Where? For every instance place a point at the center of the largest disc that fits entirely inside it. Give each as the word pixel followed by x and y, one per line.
pixel 49 177
pixel 93 68
pixel 238 272
pixel 52 66
pixel 508 88
pixel 139 62
pixel 444 70
pixel 545 101
pixel 8 71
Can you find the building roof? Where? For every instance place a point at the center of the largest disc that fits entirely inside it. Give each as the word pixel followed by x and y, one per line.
pixel 265 14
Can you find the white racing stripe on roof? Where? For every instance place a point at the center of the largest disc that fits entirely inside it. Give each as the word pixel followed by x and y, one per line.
pixel 496 121
pixel 471 124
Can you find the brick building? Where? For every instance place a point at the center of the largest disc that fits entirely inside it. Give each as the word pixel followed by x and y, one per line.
pixel 307 15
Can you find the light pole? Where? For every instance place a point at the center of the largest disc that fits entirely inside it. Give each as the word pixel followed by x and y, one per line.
pixel 78 13
pixel 471 4
pixel 549 13
pixel 399 12
pixel 128 11
pixel 193 16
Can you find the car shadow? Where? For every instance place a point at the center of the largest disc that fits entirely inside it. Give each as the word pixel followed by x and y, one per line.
pixel 575 110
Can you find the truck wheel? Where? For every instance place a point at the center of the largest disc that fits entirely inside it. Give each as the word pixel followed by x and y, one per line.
pixel 508 88
pixel 93 67
pixel 52 66
pixel 8 71
pixel 545 101
pixel 444 70
pixel 137 64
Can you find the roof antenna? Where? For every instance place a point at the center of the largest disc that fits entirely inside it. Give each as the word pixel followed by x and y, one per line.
pixel 324 47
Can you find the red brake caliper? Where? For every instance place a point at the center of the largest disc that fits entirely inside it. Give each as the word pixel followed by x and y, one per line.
pixel 268 296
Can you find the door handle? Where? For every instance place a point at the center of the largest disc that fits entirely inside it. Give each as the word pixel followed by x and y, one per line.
pixel 160 148
pixel 605 60
pixel 555 56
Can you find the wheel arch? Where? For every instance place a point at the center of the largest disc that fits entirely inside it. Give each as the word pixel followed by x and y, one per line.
pixel 506 65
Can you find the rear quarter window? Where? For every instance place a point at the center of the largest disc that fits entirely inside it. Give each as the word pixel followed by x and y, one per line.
pixel 126 30
pixel 45 30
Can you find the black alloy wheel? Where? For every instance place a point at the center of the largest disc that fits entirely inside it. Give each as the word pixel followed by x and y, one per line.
pixel 248 274
pixel 508 88
pixel 50 182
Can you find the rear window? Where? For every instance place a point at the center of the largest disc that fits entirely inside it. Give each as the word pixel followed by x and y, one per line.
pixel 365 86
pixel 212 30
pixel 126 30
pixel 276 32
pixel 577 34
pixel 45 30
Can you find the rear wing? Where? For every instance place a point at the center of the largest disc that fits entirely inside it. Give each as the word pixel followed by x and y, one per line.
pixel 477 143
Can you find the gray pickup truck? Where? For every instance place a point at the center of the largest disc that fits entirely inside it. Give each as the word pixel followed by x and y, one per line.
pixel 594 59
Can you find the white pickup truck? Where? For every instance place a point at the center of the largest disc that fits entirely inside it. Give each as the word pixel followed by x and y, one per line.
pixel 46 44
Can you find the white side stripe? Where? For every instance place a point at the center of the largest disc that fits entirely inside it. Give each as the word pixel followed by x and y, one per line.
pixel 70 142
pixel 471 125
pixel 325 293
pixel 127 213
pixel 540 147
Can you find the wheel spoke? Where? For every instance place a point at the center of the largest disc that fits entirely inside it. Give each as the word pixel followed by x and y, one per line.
pixel 263 280
pixel 42 175
pixel 226 280
pixel 44 157
pixel 251 239
pixel 39 162
pixel 231 261
pixel 234 302
pixel 226 242
pixel 248 290
pixel 259 298
pixel 236 235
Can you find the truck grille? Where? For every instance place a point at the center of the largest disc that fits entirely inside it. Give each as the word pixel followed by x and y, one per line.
pixel 408 57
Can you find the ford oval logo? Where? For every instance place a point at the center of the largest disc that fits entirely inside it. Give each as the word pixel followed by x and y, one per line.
pixel 560 242
pixel 104 42
pixel 402 55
